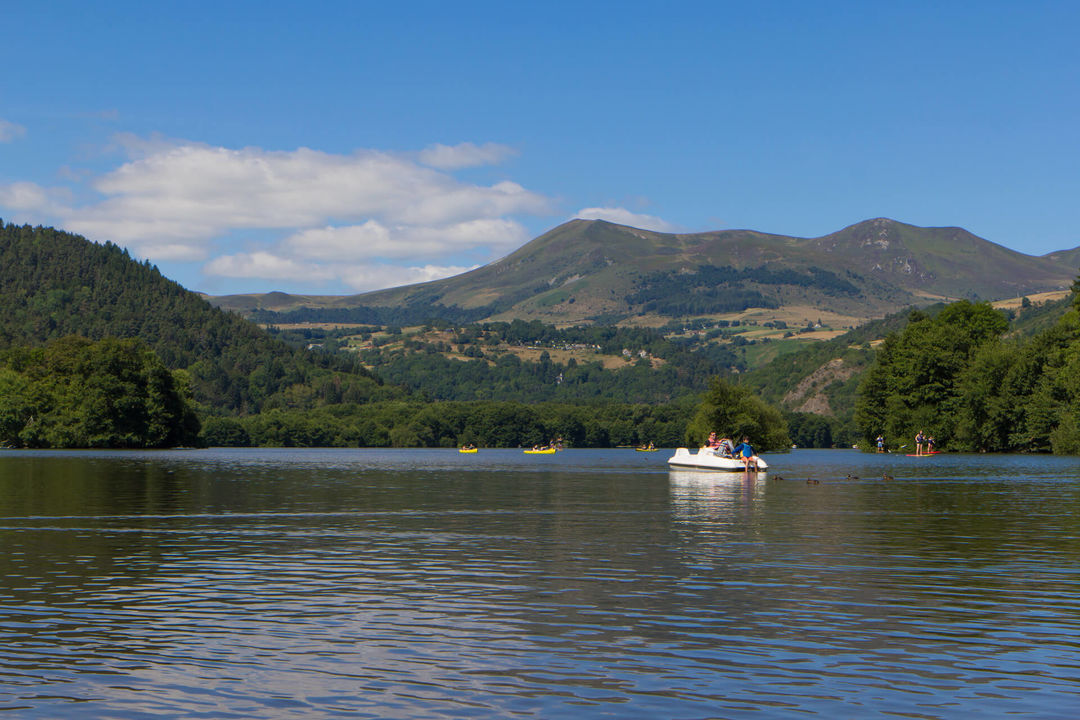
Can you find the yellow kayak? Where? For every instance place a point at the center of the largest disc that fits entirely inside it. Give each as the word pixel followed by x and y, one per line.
pixel 544 451
pixel 467 450
pixel 646 449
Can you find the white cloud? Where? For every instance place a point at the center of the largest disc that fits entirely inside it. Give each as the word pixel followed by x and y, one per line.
pixel 163 251
pixel 193 193
pixel 346 243
pixel 492 232
pixel 463 155
pixel 137 146
pixel 263 264
pixel 303 214
pixel 372 239
pixel 622 216
pixel 10 131
pixel 33 198
pixel 363 278
pixel 358 277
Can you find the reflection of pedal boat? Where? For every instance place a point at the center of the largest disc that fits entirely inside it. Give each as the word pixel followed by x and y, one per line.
pixel 706 459
pixel 541 451
pixel 688 478
pixel 467 450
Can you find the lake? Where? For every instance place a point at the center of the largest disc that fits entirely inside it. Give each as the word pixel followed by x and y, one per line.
pixel 587 584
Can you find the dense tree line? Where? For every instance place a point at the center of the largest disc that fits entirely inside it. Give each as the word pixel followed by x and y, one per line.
pixel 482 367
pixel 957 377
pixel 507 377
pixel 450 424
pixel 718 289
pixel 75 392
pixel 608 339
pixel 808 430
pixel 54 284
pixel 410 314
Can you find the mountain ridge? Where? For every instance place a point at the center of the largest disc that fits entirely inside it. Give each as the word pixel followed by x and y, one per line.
pixel 1070 258
pixel 586 271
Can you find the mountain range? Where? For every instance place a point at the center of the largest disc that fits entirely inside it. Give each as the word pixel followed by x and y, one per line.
pixel 54 284
pixel 593 271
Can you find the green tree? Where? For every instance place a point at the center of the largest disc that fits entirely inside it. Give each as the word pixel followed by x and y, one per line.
pixel 16 407
pixel 110 394
pixel 734 411
pixel 915 382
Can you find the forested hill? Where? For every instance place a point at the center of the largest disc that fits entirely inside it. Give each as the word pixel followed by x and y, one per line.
pixel 592 271
pixel 54 284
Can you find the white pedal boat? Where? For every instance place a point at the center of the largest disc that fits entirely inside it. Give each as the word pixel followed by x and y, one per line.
pixel 707 459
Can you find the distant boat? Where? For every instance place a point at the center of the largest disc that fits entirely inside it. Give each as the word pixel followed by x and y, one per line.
pixel 540 451
pixel 706 459
pixel 467 450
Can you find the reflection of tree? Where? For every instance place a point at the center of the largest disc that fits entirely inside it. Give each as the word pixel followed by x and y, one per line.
pixel 83 520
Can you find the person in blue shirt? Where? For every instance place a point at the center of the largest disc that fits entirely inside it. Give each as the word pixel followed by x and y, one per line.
pixel 746 453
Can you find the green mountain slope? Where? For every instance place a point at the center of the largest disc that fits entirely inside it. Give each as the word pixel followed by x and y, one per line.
pixel 595 271
pixel 1067 258
pixel 54 284
pixel 822 378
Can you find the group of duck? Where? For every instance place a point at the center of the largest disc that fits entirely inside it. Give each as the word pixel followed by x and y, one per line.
pixel 814 481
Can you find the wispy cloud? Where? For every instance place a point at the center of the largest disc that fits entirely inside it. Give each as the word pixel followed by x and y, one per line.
pixel 10 131
pixel 195 192
pixel 262 264
pixel 359 277
pixel 373 239
pixel 302 214
pixel 622 216
pixel 28 197
pixel 463 155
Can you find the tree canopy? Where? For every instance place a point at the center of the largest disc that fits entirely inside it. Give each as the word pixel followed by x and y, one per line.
pixel 54 284
pixel 734 411
pixel 957 377
pixel 77 393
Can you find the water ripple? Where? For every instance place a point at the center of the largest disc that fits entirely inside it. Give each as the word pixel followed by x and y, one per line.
pixel 329 585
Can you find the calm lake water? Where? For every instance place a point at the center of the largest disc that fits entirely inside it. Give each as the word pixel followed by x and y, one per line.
pixel 589 584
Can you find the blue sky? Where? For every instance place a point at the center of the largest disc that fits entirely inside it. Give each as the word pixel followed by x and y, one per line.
pixel 338 147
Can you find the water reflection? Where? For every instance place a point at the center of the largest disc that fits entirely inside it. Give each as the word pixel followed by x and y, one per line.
pixel 392 584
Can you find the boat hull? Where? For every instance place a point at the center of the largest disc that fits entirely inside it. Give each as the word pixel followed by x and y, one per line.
pixel 704 459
